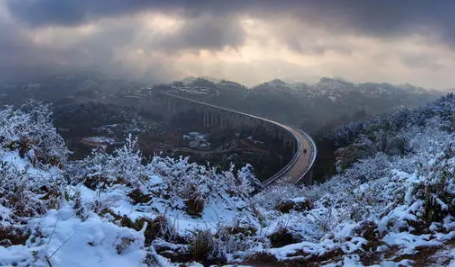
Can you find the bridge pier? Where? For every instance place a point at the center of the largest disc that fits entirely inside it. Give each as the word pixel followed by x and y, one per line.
pixel 204 120
pixel 308 178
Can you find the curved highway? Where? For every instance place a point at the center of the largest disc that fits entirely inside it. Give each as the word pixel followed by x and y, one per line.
pixel 302 161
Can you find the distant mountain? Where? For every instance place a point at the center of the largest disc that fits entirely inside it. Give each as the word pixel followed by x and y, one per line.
pixel 191 79
pixel 66 87
pixel 320 106
pixel 326 104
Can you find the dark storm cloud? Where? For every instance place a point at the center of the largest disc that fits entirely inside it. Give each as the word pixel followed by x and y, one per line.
pixel 380 17
pixel 384 19
pixel 214 25
pixel 313 48
pixel 74 12
pixel 15 49
pixel 426 61
pixel 208 32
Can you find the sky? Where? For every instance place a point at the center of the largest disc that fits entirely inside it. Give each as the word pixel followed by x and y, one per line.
pixel 248 41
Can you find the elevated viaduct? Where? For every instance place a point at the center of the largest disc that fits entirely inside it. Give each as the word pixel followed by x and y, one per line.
pixel 299 168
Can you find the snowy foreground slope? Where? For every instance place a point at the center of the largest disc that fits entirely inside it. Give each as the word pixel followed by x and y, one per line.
pixel 391 206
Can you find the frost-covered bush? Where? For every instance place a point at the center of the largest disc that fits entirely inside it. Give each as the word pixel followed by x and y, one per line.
pixel 171 180
pixel 392 201
pixel 124 166
pixel 30 131
pixel 122 189
pixel 387 133
pixel 382 202
pixel 32 156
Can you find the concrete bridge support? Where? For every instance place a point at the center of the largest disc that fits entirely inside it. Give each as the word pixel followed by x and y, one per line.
pixel 308 178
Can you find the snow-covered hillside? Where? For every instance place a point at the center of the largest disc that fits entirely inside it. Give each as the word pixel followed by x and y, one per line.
pixel 391 204
pixel 107 209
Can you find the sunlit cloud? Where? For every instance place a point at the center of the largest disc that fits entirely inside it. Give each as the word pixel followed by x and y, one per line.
pixel 249 43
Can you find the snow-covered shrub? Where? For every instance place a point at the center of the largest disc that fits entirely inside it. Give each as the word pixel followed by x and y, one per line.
pixel 272 197
pixel 247 183
pixel 124 166
pixel 31 157
pixel 237 239
pixel 203 247
pixel 396 200
pixel 170 180
pixel 392 202
pixel 30 131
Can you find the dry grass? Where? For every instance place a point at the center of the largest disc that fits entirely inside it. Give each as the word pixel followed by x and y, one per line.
pixel 287 205
pixel 195 205
pixel 11 236
pixel 202 248
pixel 138 197
pixel 299 258
pixel 282 237
pixel 160 227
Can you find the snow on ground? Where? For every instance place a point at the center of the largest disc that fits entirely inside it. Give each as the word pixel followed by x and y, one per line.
pixel 99 140
pixel 196 140
pixel 217 211
pixel 65 240
pixel 108 209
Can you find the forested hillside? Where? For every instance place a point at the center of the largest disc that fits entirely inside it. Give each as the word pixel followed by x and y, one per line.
pixel 316 107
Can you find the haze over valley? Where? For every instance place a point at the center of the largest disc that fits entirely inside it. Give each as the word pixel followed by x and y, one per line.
pixel 227 133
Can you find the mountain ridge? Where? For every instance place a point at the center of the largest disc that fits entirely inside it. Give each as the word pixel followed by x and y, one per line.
pixel 308 105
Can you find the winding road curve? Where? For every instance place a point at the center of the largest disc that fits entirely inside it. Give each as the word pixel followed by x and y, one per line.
pixel 300 164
